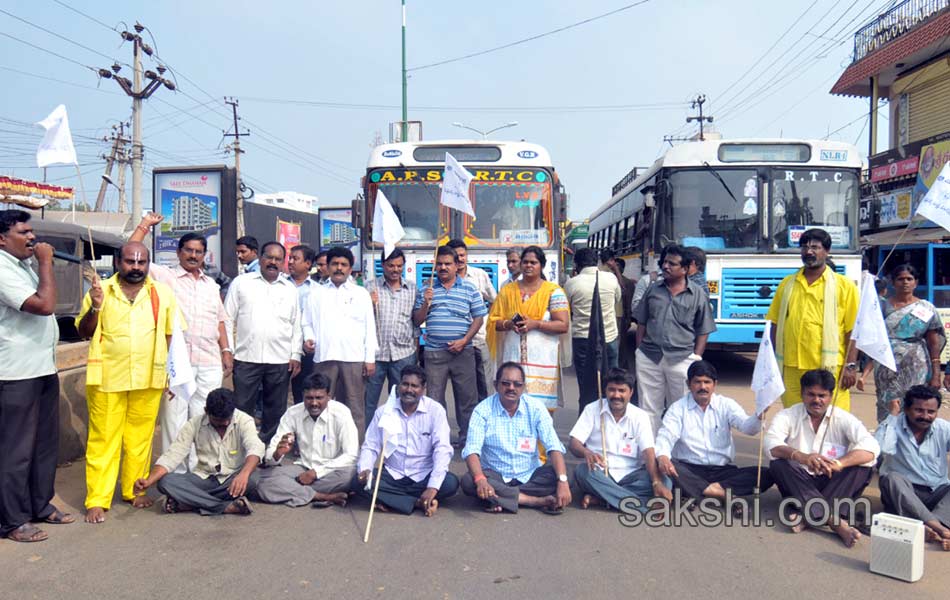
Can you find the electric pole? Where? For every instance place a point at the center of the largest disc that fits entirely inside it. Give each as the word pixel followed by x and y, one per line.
pixel 698 104
pixel 405 107
pixel 123 160
pixel 135 90
pixel 118 143
pixel 236 147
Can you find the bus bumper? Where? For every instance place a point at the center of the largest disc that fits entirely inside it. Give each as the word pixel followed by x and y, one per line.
pixel 737 333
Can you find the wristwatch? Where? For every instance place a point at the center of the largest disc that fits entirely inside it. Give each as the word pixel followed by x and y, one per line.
pixel 851 366
pixel 562 478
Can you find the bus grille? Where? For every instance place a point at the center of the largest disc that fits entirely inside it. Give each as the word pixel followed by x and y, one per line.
pixel 748 293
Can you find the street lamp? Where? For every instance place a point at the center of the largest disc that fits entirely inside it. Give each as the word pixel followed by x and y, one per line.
pixel 484 134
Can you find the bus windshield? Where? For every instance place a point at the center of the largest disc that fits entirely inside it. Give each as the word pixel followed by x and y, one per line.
pixel 804 198
pixel 704 214
pixel 511 213
pixel 417 206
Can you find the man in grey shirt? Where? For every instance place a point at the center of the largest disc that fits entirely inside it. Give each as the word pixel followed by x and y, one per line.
pixel 673 322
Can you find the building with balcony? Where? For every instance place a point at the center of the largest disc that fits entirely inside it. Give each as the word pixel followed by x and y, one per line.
pixel 289 200
pixel 903 58
pixel 190 213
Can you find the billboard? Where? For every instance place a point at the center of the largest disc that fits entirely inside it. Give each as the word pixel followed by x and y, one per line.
pixel 189 201
pixel 288 234
pixel 336 230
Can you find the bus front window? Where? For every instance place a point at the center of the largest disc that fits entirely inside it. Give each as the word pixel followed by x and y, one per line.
pixel 704 214
pixel 806 198
pixel 417 206
pixel 512 214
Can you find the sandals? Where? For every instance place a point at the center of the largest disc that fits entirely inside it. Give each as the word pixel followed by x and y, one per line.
pixel 58 517
pixel 552 510
pixel 244 507
pixel 28 533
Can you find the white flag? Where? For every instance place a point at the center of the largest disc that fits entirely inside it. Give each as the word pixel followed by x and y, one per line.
pixel 767 382
pixel 387 230
pixel 57 145
pixel 935 205
pixel 181 377
pixel 870 334
pixel 455 184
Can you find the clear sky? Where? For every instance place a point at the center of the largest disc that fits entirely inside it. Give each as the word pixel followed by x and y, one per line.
pixel 317 81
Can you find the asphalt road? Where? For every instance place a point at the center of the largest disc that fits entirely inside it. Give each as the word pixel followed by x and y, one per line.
pixel 280 552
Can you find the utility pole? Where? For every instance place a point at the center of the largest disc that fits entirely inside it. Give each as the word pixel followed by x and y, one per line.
pixel 135 90
pixel 236 147
pixel 698 104
pixel 122 159
pixel 118 143
pixel 405 106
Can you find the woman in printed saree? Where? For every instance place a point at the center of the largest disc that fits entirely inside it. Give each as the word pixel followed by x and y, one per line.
pixel 917 338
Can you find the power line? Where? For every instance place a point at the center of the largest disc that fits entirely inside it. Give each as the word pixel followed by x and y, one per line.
pixel 80 13
pixel 66 58
pixel 63 81
pixel 62 37
pixel 540 109
pixel 529 39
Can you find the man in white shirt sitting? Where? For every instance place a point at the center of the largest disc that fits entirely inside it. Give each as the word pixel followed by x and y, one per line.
pixel 327 442
pixel 694 445
pixel 265 311
pixel 339 327
pixel 821 453
pixel 631 462
pixel 415 470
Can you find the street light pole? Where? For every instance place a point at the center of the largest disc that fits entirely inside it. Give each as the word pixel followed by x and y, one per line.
pixel 484 134
pixel 405 106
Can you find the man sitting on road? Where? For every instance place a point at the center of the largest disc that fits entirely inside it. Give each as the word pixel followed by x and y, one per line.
pixel 695 447
pixel 913 475
pixel 327 442
pixel 415 470
pixel 631 462
pixel 821 453
pixel 504 469
pixel 228 450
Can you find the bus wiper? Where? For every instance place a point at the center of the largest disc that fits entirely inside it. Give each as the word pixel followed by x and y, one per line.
pixel 719 177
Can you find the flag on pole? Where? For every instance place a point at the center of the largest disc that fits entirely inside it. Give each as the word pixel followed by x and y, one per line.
pixel 387 230
pixel 57 145
pixel 455 185
pixel 596 344
pixel 935 205
pixel 181 377
pixel 870 334
pixel 767 380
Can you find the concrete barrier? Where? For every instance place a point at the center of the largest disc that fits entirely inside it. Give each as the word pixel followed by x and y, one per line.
pixel 73 414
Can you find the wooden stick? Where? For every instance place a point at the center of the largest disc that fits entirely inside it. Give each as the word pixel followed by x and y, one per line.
pixel 894 247
pixel 435 257
pixel 834 395
pixel 603 424
pixel 758 477
pixel 82 189
pixel 372 506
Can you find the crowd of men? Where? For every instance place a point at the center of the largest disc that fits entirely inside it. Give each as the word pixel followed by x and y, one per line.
pixel 333 343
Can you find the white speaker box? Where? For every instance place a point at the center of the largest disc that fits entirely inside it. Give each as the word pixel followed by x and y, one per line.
pixel 897 547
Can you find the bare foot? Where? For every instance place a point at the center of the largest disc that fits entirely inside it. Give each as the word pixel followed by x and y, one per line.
pixel 537 501
pixel 848 534
pixel 589 500
pixel 95 515
pixel 801 524
pixel 933 536
pixel 382 507
pixel 493 509
pixel 142 502
pixel 714 490
pixel 429 508
pixel 240 506
pixel 338 498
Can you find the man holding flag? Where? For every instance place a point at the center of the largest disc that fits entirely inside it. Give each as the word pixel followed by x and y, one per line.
pixel 416 452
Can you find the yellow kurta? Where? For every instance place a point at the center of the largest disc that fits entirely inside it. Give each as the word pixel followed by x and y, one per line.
pixel 125 381
pixel 803 330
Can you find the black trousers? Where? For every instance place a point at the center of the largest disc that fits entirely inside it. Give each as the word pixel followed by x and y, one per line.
pixel 543 482
pixel 693 479
pixel 296 384
pixel 794 481
pixel 401 494
pixel 275 379
pixel 29 446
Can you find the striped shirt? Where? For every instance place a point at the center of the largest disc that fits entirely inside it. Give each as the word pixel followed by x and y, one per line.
pixel 199 299
pixel 508 444
pixel 397 334
pixel 451 312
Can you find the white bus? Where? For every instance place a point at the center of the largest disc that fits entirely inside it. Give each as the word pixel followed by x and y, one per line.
pixel 745 203
pixel 516 194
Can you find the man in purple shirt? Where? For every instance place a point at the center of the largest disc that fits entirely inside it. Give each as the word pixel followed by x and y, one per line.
pixel 415 471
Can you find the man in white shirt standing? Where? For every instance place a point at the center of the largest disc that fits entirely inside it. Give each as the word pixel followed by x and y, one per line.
pixel 484 369
pixel 694 445
pixel 631 461
pixel 264 309
pixel 340 329
pixel 325 436
pixel 199 299
pixel 821 453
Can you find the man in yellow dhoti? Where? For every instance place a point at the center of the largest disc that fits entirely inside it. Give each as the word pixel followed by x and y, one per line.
pixel 129 319
pixel 814 310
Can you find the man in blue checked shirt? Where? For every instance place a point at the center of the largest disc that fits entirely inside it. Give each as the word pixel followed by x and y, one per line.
pixel 504 470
